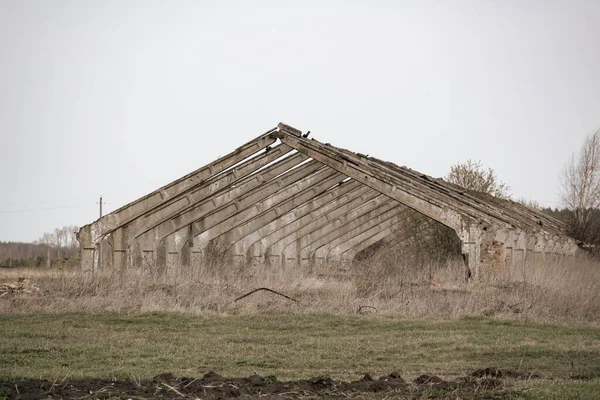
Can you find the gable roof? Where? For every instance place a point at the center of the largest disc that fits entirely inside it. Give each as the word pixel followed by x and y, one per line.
pixel 266 182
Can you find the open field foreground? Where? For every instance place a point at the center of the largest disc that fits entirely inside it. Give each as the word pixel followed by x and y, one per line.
pixel 132 356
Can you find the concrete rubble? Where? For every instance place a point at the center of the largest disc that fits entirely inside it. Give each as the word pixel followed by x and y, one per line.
pixel 22 286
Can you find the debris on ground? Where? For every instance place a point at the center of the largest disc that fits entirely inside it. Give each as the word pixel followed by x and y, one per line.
pixel 22 286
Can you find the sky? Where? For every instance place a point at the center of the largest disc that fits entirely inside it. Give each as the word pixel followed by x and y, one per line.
pixel 118 98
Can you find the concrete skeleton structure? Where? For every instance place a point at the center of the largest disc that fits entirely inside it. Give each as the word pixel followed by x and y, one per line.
pixel 284 199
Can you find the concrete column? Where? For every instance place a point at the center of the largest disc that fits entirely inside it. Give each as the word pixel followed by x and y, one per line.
pixel 174 246
pixel 119 245
pixel 89 259
pixel 231 198
pixel 90 235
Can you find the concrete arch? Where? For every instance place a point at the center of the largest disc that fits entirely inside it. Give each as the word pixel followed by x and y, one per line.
pixel 122 238
pixel 234 228
pixel 287 249
pixel 305 247
pixel 333 248
pixel 89 236
pixel 482 227
pixel 231 201
pixel 257 201
pixel 262 248
pixel 268 207
pixel 386 231
pixel 242 248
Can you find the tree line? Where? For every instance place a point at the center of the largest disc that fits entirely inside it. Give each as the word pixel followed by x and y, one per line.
pixel 58 248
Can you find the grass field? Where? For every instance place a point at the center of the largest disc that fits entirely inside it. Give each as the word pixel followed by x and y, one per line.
pixel 55 346
pixel 78 329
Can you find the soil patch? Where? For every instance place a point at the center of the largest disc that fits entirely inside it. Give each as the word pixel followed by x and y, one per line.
pixel 488 383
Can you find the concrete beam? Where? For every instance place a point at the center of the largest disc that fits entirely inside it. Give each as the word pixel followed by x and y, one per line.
pixel 333 247
pixel 372 218
pixel 280 251
pixel 243 244
pixel 234 228
pixel 122 238
pixel 482 227
pixel 125 214
pixel 383 183
pixel 348 251
pixel 237 199
pixel 89 236
pixel 260 250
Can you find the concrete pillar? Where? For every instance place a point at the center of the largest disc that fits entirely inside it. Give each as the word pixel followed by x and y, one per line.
pixel 174 247
pixel 89 258
pixel 119 248
pixel 90 235
pixel 231 199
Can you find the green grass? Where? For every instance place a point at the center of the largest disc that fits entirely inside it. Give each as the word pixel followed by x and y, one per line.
pixel 291 346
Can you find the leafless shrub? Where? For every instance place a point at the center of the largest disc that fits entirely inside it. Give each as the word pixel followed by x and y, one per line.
pixel 471 175
pixel 580 181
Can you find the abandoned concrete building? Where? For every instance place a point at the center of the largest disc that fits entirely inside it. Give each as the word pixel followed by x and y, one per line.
pixel 287 199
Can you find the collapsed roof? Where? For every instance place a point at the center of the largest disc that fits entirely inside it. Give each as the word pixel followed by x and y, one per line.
pixel 284 198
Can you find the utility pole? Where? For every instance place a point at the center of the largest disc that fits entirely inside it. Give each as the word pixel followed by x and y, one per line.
pixel 100 244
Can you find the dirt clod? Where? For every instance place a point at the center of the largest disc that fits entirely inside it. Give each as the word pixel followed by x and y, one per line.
pixel 211 376
pixel 214 386
pixel 428 379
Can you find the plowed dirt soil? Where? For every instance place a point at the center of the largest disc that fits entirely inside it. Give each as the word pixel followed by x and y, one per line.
pixel 489 383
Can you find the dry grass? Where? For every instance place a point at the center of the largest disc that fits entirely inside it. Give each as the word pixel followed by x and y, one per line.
pixel 549 292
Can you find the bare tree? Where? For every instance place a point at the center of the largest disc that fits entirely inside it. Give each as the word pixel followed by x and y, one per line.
pixel 472 176
pixel 48 239
pixel 72 241
pixel 59 234
pixel 62 242
pixel 580 181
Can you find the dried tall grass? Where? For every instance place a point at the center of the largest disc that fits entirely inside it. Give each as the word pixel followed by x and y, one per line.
pixel 557 291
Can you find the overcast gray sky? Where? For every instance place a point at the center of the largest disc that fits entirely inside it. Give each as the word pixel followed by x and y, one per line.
pixel 120 97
